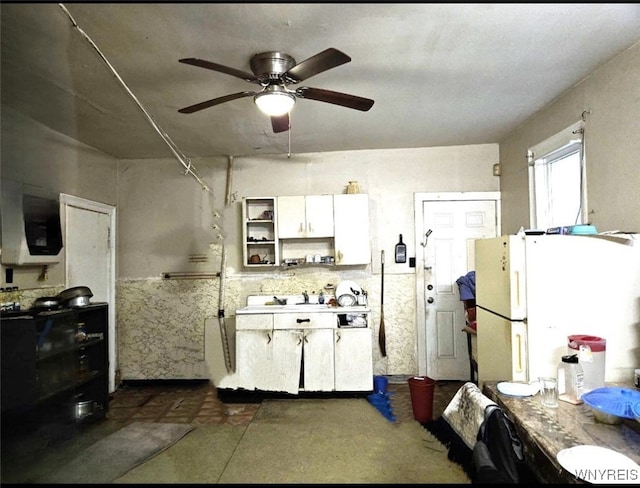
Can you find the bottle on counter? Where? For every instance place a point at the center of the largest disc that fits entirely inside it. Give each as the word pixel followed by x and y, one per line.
pixel 570 380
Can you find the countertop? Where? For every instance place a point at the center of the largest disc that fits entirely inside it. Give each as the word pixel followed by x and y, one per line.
pixel 546 431
pixel 312 308
pixel 257 304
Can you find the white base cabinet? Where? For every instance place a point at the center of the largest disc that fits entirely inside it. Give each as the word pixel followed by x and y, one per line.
pixel 318 360
pixel 294 352
pixel 353 359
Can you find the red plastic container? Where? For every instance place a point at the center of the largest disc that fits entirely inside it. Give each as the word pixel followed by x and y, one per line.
pixel 421 389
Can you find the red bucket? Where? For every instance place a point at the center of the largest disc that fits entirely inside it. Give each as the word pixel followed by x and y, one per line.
pixel 421 389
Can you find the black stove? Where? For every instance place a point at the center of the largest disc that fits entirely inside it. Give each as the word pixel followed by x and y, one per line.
pixel 32 312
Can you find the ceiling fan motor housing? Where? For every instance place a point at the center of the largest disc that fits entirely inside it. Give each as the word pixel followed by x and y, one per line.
pixel 270 66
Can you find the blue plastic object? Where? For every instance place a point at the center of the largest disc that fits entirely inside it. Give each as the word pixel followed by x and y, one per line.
pixel 382 402
pixel 582 230
pixel 636 411
pixel 613 400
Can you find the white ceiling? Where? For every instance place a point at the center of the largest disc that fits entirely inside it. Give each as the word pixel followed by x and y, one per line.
pixel 440 74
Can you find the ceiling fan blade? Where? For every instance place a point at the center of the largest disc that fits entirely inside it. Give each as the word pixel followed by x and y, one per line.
pixel 243 75
pixel 336 98
pixel 280 123
pixel 327 59
pixel 215 101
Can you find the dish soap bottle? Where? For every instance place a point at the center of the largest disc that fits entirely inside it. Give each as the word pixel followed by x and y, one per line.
pixel 401 251
pixel 570 380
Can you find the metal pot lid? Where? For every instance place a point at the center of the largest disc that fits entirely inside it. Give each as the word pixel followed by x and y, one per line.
pixel 76 291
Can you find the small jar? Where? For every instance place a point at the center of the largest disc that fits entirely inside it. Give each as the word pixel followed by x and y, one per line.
pixel 570 380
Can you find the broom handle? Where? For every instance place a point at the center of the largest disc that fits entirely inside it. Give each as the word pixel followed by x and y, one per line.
pixel 382 339
pixel 382 278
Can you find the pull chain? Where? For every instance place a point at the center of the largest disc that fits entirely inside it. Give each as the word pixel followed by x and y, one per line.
pixel 289 136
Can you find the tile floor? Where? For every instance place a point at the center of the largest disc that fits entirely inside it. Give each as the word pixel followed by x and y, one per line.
pixel 180 402
pixel 199 403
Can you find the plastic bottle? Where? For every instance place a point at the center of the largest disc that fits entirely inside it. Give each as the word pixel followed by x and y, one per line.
pixel 570 380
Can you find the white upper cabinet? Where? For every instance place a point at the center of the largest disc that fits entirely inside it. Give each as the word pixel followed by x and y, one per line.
pixel 331 229
pixel 260 240
pixel 305 216
pixel 351 229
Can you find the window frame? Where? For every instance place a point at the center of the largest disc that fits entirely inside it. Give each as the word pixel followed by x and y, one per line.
pixel 554 148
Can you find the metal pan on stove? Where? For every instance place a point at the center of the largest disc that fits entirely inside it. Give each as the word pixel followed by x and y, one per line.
pixel 45 304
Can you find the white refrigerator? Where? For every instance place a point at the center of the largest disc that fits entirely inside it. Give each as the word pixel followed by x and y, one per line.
pixel 532 292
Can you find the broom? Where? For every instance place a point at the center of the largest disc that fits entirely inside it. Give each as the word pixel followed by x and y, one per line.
pixel 381 333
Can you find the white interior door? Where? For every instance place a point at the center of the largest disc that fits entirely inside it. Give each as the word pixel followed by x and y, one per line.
pixel 89 247
pixel 447 255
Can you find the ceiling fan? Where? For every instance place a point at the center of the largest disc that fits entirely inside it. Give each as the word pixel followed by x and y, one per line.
pixel 275 72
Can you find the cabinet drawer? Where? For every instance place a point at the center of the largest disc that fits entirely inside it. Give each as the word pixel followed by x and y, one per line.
pixel 254 321
pixel 302 320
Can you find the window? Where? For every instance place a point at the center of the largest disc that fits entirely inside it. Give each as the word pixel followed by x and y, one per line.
pixel 556 180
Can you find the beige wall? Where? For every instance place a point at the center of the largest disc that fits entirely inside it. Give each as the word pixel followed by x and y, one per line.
pixel 612 146
pixel 164 216
pixel 36 156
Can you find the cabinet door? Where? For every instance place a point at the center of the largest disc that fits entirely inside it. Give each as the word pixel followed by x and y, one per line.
pixel 351 229
pixel 319 215
pixel 18 383
pixel 292 221
pixel 318 360
pixel 254 353
pixel 305 216
pixel 353 359
pixel 287 357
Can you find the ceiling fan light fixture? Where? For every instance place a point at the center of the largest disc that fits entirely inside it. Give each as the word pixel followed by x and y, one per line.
pixel 274 101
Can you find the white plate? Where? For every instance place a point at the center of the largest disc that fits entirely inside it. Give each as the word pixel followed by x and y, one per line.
pixel 344 295
pixel 344 288
pixel 597 465
pixel 518 389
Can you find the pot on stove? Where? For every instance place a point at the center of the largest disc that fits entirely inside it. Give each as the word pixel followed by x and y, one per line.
pixel 46 303
pixel 78 296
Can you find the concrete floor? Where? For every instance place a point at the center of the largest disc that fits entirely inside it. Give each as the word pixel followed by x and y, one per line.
pixel 26 458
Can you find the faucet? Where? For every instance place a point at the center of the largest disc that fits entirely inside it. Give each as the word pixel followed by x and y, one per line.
pixel 305 295
pixel 280 301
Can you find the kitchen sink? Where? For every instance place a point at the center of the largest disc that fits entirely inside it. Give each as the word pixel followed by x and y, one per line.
pixel 301 307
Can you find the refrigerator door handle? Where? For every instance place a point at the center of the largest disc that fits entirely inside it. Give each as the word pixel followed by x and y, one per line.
pixel 518 362
pixel 519 352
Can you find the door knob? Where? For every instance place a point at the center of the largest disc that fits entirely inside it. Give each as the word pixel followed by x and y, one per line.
pixel 429 287
pixel 430 300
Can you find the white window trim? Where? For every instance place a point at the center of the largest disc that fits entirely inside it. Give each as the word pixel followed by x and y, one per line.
pixel 548 146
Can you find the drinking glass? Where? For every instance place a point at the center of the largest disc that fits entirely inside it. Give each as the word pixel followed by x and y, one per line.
pixel 548 392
